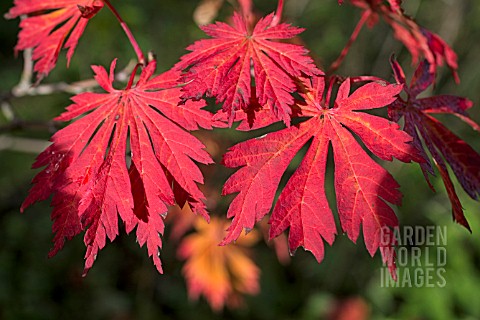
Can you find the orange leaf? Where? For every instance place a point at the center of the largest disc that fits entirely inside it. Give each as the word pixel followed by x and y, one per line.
pixel 220 273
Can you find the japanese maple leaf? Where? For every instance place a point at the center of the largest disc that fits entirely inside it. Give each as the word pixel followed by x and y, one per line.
pixel 221 274
pixel 363 187
pixel 443 145
pixel 221 67
pixel 421 42
pixel 50 26
pixel 93 181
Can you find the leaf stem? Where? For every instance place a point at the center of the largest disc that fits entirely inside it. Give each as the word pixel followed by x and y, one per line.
pixel 131 38
pixel 246 7
pixel 331 82
pixel 132 76
pixel 278 14
pixel 336 64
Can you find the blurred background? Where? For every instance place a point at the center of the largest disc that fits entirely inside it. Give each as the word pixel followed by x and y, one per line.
pixel 124 284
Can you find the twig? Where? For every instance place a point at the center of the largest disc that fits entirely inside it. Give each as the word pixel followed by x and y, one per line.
pixel 25 88
pixel 19 124
pixel 27 73
pixel 46 89
pixel 7 111
pixel 22 90
pixel 22 144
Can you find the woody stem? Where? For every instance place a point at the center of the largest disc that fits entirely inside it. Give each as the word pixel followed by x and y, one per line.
pixel 131 38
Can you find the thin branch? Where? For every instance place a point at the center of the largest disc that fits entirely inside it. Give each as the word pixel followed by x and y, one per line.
pixel 77 87
pixel 25 88
pixel 336 64
pixel 22 144
pixel 27 73
pixel 19 124
pixel 7 110
pixel 50 88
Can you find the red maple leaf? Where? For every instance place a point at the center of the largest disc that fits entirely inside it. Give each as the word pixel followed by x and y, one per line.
pixel 443 145
pixel 362 186
pixel 93 180
pixel 48 25
pixel 221 67
pixel 419 41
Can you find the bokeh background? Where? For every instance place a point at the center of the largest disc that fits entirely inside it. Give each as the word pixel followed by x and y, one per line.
pixel 124 284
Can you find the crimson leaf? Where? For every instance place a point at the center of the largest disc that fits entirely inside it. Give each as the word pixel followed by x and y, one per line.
pixel 362 186
pixel 442 144
pixel 221 67
pixel 47 32
pixel 421 42
pixel 87 170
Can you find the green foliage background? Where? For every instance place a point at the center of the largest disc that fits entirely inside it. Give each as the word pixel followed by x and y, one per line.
pixel 124 284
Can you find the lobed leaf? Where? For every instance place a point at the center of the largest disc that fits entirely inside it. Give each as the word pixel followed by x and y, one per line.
pixel 363 187
pixel 221 67
pixel 443 145
pixel 420 42
pixel 221 274
pixel 94 182
pixel 51 25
